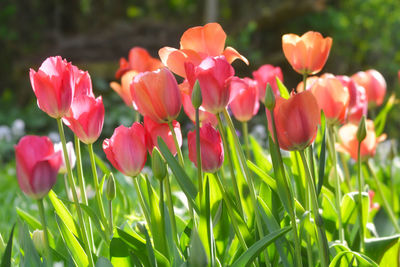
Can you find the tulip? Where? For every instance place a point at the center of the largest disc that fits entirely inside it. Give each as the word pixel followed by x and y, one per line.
pixel 245 104
pixel 296 120
pixel 157 95
pixel 332 97
pixel 349 143
pixel 212 150
pixel 83 83
pixel 53 85
pixel 86 118
pixel 372 205
pixel 123 89
pixel 374 84
pixel 213 75
pixel 139 61
pixel 196 44
pixel 267 74
pixel 154 130
pixel 308 53
pixel 309 83
pixel 126 149
pixel 71 156
pixel 37 165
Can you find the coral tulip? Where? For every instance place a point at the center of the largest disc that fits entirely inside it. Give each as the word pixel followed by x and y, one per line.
pixel 349 143
pixel 306 54
pixel 212 150
pixel 196 44
pixel 332 97
pixel 245 104
pixel 374 84
pixel 309 83
pixel 213 75
pixel 86 118
pixel 154 130
pixel 296 120
pixel 71 156
pixel 37 165
pixel 156 94
pixel 126 149
pixel 267 74
pixel 53 85
pixel 123 89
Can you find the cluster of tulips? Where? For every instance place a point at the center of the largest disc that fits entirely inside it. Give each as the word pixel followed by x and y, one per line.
pixel 331 105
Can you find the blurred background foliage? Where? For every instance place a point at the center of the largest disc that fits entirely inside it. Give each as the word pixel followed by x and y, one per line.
pixel 95 34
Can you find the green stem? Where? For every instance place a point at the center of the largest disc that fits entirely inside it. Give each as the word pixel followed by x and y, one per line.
pixel 99 199
pixel 245 130
pixel 110 214
pixel 323 244
pixel 385 202
pixel 338 192
pixel 360 204
pixel 44 225
pixel 198 152
pixel 66 186
pixel 304 81
pixel 161 207
pixel 171 211
pixel 137 116
pixel 74 194
pixel 141 201
pixel 346 172
pixel 178 149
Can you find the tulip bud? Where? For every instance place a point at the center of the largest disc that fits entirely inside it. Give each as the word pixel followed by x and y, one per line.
pixel 38 241
pixel 362 130
pixel 110 188
pixel 196 95
pixel 158 164
pixel 269 98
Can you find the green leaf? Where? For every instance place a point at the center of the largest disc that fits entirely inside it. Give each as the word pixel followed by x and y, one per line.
pixel 30 256
pixel 375 248
pixel 77 253
pixel 260 157
pixel 198 255
pixel 101 164
pixel 380 120
pixel 247 257
pixel 103 262
pixel 263 175
pixel 149 246
pixel 322 163
pixel 96 221
pixel 6 260
pixel 351 258
pixel 119 252
pixel 282 88
pixel 391 256
pixel 29 219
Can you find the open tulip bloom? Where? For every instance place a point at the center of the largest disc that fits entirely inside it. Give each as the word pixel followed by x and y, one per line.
pixel 252 205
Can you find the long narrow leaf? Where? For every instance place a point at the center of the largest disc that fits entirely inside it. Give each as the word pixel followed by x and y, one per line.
pixel 6 260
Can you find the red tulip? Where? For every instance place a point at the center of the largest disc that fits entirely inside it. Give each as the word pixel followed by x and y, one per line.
pixel 139 61
pixel 332 97
pixel 126 149
pixel 53 85
pixel 86 118
pixel 267 74
pixel 349 143
pixel 374 84
pixel 307 54
pixel 296 120
pixel 245 104
pixel 37 165
pixel 211 148
pixel 123 89
pixel 196 44
pixel 156 94
pixel 213 75
pixel 154 130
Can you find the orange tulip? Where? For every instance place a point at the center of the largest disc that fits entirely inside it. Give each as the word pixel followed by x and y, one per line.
pixel 374 84
pixel 332 97
pixel 296 120
pixel 196 44
pixel 309 83
pixel 306 54
pixel 349 142
pixel 123 89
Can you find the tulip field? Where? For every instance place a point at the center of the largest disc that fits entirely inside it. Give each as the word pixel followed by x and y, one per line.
pixel 319 186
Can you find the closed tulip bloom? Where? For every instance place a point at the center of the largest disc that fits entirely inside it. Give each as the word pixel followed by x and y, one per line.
pixel 86 118
pixel 126 149
pixel 83 83
pixel 332 97
pixel 309 83
pixel 307 54
pixel 213 75
pixel 71 156
pixel 37 165
pixel 154 130
pixel 267 74
pixel 123 89
pixel 374 84
pixel 245 104
pixel 196 44
pixel 211 148
pixel 156 94
pixel 296 120
pixel 349 143
pixel 53 85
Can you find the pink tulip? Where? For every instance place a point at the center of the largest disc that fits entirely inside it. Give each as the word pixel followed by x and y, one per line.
pixel 374 84
pixel 156 94
pixel 53 85
pixel 154 130
pixel 83 83
pixel 211 148
pixel 245 104
pixel 126 149
pixel 71 156
pixel 37 165
pixel 86 118
pixel 267 74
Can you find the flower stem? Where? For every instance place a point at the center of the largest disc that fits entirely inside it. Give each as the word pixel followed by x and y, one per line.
pixel 110 214
pixel 74 194
pixel 141 201
pixel 198 152
pixel 161 207
pixel 171 211
pixel 360 204
pixel 245 130
pixel 178 149
pixel 44 225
